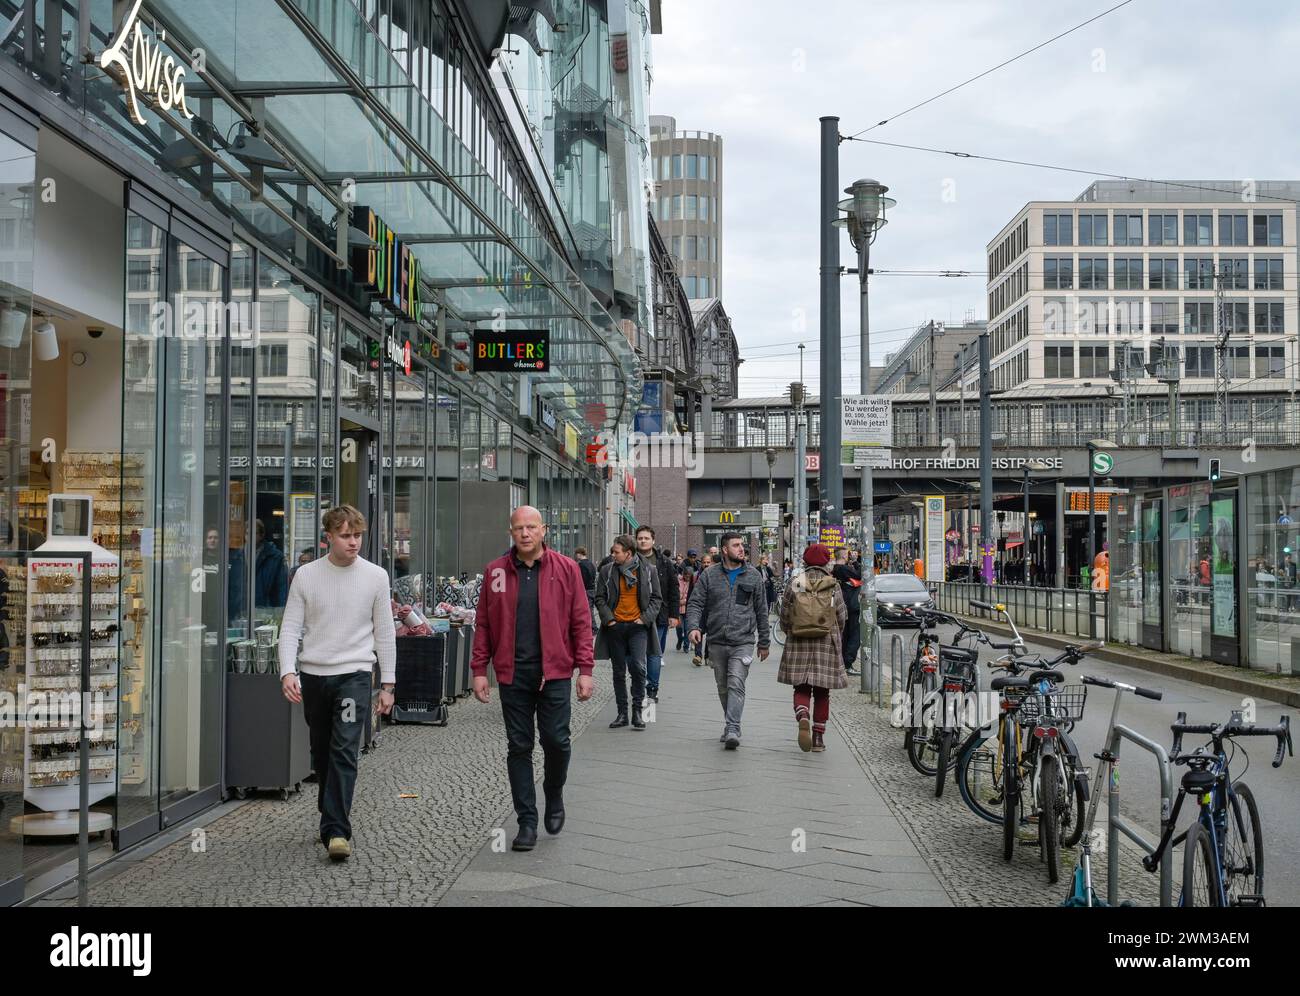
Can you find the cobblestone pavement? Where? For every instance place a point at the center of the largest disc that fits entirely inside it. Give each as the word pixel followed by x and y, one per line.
pixel 267 852
pixel 965 851
pixel 668 817
pixel 661 817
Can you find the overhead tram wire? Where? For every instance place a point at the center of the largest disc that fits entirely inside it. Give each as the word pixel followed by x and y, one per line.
pixel 1000 65
pixel 1070 169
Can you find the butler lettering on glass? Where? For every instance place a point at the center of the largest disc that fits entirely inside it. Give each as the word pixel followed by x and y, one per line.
pixel 146 70
pixel 390 269
pixel 511 350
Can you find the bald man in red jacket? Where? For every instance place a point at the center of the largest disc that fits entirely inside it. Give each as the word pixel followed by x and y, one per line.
pixel 533 625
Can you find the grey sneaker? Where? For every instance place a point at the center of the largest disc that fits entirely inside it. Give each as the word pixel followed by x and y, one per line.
pixel 733 741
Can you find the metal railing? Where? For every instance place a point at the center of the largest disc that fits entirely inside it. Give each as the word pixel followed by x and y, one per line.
pixel 1060 611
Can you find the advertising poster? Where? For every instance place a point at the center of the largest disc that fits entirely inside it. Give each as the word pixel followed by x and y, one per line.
pixel 934 538
pixel 1224 569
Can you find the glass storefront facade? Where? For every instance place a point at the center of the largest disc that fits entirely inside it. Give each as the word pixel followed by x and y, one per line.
pixel 1209 571
pixel 231 381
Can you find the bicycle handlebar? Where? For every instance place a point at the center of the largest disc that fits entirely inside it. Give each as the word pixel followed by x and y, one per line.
pixel 1236 728
pixel 1146 693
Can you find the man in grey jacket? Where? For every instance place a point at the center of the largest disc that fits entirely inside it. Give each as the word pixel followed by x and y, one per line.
pixel 728 604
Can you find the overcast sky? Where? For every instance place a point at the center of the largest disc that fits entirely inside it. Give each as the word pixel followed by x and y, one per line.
pixel 1155 89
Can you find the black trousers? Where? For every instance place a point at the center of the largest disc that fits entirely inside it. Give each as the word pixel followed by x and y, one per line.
pixel 627 642
pixel 335 708
pixel 533 713
pixel 852 638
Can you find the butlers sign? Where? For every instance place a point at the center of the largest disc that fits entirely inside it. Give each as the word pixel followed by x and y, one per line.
pixel 390 269
pixel 136 60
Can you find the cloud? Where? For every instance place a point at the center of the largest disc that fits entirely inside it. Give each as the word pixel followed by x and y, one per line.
pixel 1150 90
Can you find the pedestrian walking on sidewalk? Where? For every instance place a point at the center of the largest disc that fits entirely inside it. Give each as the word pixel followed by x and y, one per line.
pixel 341 608
pixel 533 626
pixel 667 578
pixel 589 580
pixel 728 606
pixel 849 576
pixel 628 602
pixel 697 646
pixel 813 614
pixel 684 579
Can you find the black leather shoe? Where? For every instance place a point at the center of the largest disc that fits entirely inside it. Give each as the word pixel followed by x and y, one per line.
pixel 525 840
pixel 637 722
pixel 554 819
pixel 619 720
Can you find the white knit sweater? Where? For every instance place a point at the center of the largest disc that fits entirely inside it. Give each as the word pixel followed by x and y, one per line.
pixel 345 618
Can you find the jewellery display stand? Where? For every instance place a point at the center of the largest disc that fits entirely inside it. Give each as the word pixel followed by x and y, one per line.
pixel 116 480
pixel 53 646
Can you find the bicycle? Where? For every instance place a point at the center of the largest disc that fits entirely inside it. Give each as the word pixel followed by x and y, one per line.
pixel 958 677
pixel 1035 775
pixel 1081 891
pixel 1223 858
pixel 774 610
pixel 920 694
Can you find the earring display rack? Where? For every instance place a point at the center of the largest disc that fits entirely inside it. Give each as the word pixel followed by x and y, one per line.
pixel 116 480
pixel 13 626
pixel 54 650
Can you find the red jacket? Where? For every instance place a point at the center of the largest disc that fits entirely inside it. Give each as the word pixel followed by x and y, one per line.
pixel 562 606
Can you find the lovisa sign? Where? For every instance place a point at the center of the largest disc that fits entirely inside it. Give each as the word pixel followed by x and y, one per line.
pixel 145 69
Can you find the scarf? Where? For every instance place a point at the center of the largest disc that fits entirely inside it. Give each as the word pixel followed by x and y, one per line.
pixel 628 571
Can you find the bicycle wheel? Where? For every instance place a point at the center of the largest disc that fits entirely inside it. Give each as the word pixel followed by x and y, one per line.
pixel 979 777
pixel 1011 787
pixel 778 631
pixel 1050 795
pixel 922 741
pixel 1199 886
pixel 1243 846
pixel 943 759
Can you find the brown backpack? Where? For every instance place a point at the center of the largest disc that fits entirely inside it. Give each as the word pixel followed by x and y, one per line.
pixel 812 608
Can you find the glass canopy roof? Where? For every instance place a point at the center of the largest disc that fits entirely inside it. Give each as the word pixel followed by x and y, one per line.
pixel 355 129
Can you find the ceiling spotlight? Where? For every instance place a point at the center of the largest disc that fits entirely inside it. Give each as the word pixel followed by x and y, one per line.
pixel 45 341
pixel 13 322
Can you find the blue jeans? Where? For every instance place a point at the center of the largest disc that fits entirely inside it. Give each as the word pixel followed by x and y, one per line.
pixel 654 664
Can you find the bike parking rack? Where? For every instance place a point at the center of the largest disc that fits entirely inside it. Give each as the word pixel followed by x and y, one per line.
pixel 871 662
pixel 1116 824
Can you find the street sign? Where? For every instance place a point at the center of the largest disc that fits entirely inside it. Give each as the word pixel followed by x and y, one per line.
pixel 1102 463
pixel 884 546
pixel 866 421
pixel 771 514
pixel 876 459
pixel 812 461
pixel 934 532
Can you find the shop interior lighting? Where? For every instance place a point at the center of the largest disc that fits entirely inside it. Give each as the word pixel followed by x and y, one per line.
pixel 45 341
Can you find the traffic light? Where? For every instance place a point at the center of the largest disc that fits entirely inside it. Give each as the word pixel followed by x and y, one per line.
pixel 1215 473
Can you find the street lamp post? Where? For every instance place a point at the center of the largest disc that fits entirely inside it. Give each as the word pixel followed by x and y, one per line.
pixel 864 217
pixel 1034 465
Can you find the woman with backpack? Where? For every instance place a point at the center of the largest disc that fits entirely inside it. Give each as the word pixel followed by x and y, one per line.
pixel 813 615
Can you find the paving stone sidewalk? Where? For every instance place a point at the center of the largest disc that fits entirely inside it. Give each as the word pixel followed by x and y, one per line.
pixel 668 817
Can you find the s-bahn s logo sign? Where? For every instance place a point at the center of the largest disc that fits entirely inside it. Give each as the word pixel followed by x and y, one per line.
pixel 145 69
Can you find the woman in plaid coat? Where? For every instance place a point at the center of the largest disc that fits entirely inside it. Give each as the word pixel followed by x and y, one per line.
pixel 814 665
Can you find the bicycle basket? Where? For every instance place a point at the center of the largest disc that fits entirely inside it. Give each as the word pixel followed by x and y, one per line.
pixel 1063 702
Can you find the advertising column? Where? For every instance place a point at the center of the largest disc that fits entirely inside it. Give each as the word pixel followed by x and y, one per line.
pixel 934 538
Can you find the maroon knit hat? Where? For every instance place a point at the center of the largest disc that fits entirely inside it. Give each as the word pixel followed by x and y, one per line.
pixel 817 555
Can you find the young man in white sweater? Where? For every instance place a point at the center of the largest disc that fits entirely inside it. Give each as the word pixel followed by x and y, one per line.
pixel 341 607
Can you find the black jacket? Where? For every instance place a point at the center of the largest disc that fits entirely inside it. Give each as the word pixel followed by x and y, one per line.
pixel 667 571
pixel 588 575
pixel 844 574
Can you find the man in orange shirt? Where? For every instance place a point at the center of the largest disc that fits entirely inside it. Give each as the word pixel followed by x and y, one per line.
pixel 628 600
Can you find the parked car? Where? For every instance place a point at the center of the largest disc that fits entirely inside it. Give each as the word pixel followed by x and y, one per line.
pixel 898 599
